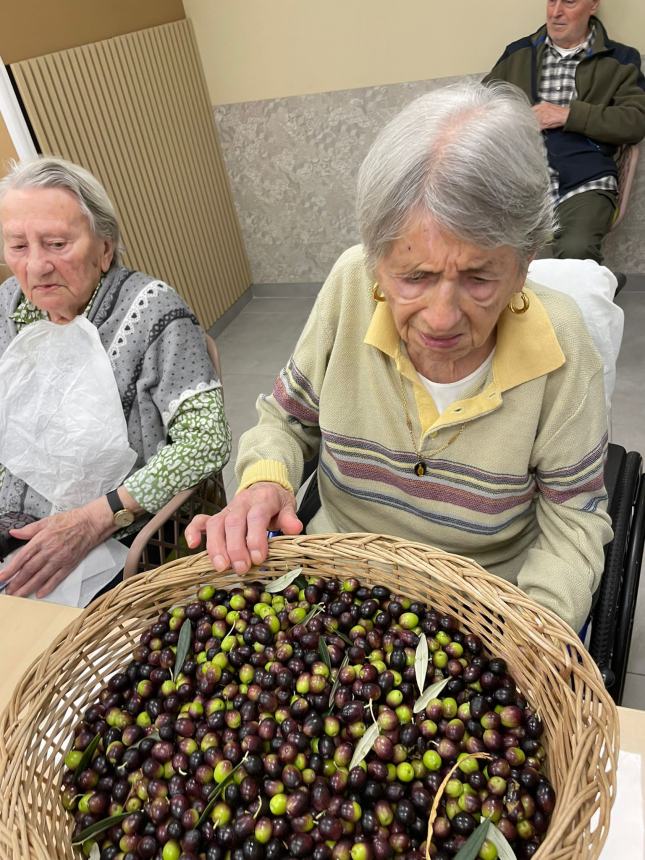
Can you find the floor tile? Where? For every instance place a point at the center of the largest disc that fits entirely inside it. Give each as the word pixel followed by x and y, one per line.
pixel 241 391
pixel 294 306
pixel 634 695
pixel 256 343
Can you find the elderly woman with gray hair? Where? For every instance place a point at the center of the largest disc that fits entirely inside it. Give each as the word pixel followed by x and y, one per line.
pixel 62 242
pixel 449 400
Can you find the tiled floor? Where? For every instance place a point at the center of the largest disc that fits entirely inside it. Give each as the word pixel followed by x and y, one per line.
pixel 259 341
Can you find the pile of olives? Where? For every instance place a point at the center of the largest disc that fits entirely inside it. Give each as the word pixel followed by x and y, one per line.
pixel 243 752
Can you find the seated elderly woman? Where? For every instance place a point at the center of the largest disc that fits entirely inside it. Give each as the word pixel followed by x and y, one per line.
pixel 449 400
pixel 62 242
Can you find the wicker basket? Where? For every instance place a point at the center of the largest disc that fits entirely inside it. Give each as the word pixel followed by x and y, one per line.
pixel 545 657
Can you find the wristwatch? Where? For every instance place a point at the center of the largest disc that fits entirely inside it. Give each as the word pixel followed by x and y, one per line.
pixel 121 517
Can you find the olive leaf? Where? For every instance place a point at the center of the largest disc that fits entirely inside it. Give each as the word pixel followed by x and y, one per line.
pixel 95 853
pixel 183 646
pixel 316 609
pixel 218 790
pixel 471 848
pixel 283 582
pixel 88 754
pixel 504 850
pixel 364 745
pixel 421 658
pixel 324 653
pixel 337 679
pixel 431 693
pixel 153 736
pixel 339 633
pixel 99 827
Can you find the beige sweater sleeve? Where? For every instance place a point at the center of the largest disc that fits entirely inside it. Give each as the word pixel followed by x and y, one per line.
pixel 563 568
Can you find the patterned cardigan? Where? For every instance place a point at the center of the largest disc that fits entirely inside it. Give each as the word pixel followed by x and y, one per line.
pixel 169 390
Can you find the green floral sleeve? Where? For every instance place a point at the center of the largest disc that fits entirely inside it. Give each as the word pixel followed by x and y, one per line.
pixel 200 443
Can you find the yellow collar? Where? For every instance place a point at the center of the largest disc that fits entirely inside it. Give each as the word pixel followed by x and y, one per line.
pixel 526 348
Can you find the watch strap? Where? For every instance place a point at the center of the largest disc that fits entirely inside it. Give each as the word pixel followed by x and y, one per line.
pixel 114 501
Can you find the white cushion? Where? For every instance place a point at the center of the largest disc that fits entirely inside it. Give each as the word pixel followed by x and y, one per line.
pixel 592 287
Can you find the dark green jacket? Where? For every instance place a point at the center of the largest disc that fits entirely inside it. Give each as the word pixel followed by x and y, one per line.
pixel 609 109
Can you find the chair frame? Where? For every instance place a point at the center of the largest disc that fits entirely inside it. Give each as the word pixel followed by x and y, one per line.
pixel 161 538
pixel 626 161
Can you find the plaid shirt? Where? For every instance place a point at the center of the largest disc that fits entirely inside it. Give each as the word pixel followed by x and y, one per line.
pixel 558 86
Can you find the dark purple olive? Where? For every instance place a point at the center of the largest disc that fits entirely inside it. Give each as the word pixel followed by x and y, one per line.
pixel 545 797
pixel 301 845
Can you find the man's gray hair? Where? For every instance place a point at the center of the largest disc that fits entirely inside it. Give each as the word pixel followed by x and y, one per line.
pixel 472 158
pixel 50 172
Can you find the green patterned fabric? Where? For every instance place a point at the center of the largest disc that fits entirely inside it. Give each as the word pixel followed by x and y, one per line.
pixel 27 313
pixel 201 442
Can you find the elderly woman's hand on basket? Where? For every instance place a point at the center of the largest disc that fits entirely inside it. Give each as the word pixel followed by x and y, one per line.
pixel 237 536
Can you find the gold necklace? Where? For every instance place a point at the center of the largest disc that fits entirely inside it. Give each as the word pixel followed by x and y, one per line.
pixel 421 467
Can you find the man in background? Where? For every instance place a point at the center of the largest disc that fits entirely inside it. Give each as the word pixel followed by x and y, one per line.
pixel 588 93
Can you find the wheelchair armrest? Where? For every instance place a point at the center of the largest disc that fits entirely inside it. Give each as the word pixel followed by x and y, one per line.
pixel 151 528
pixel 606 610
pixel 629 594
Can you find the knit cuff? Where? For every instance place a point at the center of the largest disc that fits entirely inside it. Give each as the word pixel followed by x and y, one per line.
pixel 266 470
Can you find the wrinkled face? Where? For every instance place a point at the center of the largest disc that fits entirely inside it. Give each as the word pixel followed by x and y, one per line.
pixel 446 296
pixel 567 21
pixel 51 249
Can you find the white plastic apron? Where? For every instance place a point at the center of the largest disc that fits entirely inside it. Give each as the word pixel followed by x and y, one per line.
pixel 63 432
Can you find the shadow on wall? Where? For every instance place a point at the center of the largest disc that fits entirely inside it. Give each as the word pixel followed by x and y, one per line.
pixel 293 164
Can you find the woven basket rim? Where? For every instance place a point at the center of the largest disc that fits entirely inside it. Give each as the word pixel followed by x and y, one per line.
pixel 596 723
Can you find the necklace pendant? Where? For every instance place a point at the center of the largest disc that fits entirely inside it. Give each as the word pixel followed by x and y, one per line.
pixel 420 468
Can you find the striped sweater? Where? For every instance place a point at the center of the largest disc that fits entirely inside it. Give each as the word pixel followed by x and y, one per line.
pixel 517 479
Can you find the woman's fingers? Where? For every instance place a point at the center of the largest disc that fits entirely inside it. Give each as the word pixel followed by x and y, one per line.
pixel 33 574
pixel 195 529
pixel 237 536
pixel 258 523
pixel 216 542
pixel 288 522
pixel 244 513
pixel 41 581
pixel 28 531
pixel 20 558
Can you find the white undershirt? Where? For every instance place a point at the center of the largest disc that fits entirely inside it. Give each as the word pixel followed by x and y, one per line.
pixel 445 394
pixel 567 52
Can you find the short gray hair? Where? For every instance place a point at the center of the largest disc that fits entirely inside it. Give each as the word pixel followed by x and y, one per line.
pixel 470 156
pixel 50 172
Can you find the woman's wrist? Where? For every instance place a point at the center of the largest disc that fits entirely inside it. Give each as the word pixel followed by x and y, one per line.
pixel 101 517
pixel 98 519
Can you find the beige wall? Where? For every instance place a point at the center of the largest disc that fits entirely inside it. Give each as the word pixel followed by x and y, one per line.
pixel 7 149
pixel 260 49
pixel 34 27
pixel 7 152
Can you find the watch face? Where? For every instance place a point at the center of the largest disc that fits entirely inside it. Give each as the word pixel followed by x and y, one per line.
pixel 123 518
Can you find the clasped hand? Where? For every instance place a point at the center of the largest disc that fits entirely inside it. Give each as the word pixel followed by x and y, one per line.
pixel 550 115
pixel 237 536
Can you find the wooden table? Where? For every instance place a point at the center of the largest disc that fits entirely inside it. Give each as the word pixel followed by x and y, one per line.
pixel 28 626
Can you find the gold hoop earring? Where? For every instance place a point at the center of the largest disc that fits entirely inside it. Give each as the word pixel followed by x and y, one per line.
pixel 525 304
pixel 376 295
